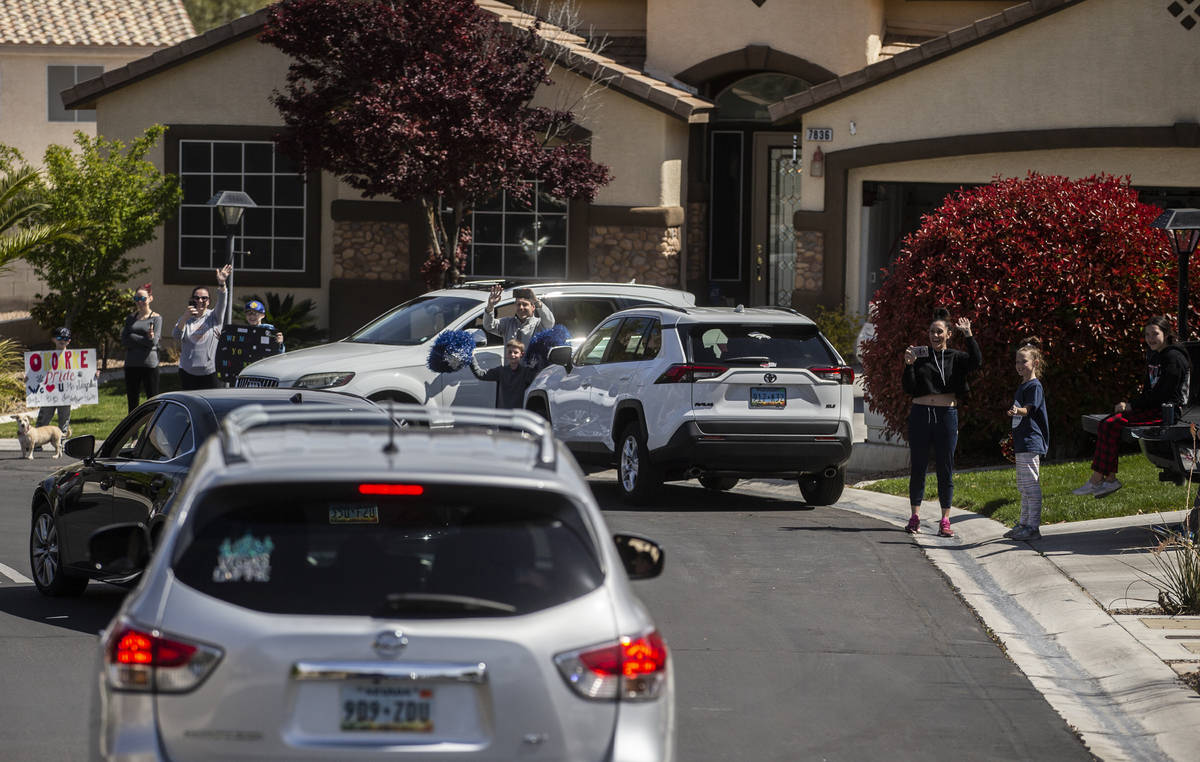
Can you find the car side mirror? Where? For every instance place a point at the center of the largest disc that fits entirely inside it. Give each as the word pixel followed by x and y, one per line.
pixel 479 335
pixel 561 356
pixel 642 558
pixel 82 447
pixel 120 548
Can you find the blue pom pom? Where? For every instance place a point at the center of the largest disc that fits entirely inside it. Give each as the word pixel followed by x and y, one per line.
pixel 451 350
pixel 543 341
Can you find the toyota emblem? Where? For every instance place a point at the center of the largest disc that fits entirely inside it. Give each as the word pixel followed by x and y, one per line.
pixel 770 378
pixel 390 643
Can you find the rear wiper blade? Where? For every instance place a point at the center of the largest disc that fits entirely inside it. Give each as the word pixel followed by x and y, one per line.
pixel 442 602
pixel 747 360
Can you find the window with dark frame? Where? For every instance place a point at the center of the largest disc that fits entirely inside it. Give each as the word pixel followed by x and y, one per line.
pixel 59 78
pixel 271 235
pixel 520 239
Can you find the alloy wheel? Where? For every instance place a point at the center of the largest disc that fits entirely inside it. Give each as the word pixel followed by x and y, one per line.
pixel 629 464
pixel 44 550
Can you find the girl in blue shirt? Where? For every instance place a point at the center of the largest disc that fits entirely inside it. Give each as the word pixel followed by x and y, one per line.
pixel 1031 438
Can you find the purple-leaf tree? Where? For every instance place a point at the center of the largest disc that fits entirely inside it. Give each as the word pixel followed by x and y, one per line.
pixel 425 101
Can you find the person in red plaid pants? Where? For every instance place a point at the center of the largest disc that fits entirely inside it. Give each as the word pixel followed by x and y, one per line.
pixel 1167 381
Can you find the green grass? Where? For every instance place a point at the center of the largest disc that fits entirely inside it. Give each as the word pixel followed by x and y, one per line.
pixel 100 419
pixel 993 493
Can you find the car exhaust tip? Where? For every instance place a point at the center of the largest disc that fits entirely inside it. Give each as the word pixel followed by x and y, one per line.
pixel 829 473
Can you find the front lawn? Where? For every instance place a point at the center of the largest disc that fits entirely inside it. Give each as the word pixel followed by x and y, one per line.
pixel 993 492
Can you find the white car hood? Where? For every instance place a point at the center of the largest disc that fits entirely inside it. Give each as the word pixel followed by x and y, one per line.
pixel 335 357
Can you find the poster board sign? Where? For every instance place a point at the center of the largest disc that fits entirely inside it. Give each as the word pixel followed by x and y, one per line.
pixel 61 377
pixel 241 345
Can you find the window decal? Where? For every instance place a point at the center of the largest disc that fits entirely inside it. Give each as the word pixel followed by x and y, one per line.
pixel 245 560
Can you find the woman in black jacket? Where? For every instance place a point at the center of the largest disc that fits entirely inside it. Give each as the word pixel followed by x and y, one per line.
pixel 1167 381
pixel 936 376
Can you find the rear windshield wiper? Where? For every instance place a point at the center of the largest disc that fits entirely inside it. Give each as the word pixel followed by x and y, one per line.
pixel 443 603
pixel 747 360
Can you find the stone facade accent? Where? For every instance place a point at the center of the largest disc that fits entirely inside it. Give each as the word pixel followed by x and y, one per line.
pixel 371 250
pixel 697 232
pixel 810 260
pixel 645 254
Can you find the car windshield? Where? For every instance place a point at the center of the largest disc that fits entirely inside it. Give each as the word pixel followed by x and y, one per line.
pixel 330 550
pixel 785 345
pixel 416 321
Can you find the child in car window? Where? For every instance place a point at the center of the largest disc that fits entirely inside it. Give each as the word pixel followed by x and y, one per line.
pixel 512 378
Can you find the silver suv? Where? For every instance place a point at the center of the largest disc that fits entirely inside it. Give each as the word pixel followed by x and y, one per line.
pixel 346 588
pixel 385 360
pixel 710 392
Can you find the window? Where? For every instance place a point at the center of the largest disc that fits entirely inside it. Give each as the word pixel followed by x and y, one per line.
pixel 630 342
pixel 59 78
pixel 580 315
pixel 521 239
pixel 271 236
pixel 125 442
pixel 592 351
pixel 784 345
pixel 170 436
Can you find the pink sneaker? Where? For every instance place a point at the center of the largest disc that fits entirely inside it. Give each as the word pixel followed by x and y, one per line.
pixel 944 529
pixel 914 525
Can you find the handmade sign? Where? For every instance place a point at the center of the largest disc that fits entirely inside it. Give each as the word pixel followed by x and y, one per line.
pixel 61 377
pixel 241 345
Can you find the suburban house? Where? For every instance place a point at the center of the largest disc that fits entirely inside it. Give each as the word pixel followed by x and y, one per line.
pixel 763 151
pixel 47 46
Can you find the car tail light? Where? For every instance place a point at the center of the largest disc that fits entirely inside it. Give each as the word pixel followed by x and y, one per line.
pixel 686 373
pixel 631 669
pixel 143 659
pixel 841 373
pixel 391 489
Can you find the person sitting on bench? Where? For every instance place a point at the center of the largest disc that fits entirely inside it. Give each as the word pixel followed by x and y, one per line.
pixel 1167 381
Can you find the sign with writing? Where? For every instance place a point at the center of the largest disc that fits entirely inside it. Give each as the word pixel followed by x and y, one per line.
pixel 241 345
pixel 61 377
pixel 819 134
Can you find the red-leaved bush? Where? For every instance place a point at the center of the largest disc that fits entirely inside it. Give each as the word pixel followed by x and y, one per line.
pixel 1074 262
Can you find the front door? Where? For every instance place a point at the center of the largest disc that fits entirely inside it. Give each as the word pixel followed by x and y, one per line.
pixel 778 171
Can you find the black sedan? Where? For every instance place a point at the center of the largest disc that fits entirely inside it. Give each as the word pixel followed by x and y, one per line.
pixel 134 475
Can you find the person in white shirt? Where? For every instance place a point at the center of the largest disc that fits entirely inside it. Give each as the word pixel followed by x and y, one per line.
pixel 198 330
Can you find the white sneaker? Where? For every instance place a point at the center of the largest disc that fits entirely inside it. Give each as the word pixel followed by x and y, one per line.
pixel 1107 488
pixel 1089 488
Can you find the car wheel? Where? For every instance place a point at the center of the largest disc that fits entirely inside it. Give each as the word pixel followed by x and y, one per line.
pixel 45 560
pixel 718 483
pixel 636 477
pixel 819 489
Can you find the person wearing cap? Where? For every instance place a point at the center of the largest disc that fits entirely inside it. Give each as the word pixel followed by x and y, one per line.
pixel 143 327
pixel 256 312
pixel 532 315
pixel 62 338
pixel 198 330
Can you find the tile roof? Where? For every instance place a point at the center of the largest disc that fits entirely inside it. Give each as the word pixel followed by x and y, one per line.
pixel 152 23
pixel 576 57
pixel 904 61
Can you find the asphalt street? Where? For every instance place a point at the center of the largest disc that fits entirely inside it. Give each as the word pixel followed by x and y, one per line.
pixel 795 634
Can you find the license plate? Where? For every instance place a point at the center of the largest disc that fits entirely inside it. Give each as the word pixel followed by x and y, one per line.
pixel 354 514
pixel 403 708
pixel 768 396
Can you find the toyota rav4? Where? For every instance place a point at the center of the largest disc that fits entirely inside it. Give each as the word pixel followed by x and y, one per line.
pixel 712 393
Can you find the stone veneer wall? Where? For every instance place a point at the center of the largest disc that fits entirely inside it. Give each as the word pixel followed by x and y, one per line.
pixel 623 252
pixel 697 229
pixel 371 250
pixel 810 260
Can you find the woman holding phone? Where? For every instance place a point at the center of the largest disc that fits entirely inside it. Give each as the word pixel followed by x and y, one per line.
pixel 936 376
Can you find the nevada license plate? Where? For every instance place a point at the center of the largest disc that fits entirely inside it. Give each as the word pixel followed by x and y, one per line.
pixel 403 708
pixel 768 396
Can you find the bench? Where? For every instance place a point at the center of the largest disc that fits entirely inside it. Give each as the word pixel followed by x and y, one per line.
pixel 1189 414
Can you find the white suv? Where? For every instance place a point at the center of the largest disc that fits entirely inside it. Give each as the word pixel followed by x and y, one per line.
pixel 385 360
pixel 710 392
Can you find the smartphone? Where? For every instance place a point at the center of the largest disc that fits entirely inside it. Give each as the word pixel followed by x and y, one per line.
pixel 922 351
pixel 191 302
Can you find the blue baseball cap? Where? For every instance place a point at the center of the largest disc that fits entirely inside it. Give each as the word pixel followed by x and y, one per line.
pixel 62 333
pixel 255 305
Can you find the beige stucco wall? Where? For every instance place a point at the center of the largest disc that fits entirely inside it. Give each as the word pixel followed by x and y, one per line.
pixel 612 17
pixel 835 34
pixel 1145 167
pixel 937 16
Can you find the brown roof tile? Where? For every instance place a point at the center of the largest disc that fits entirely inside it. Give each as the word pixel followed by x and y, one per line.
pixel 937 48
pixel 94 22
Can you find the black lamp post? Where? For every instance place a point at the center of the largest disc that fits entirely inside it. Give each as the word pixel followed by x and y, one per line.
pixel 230 205
pixel 1183 227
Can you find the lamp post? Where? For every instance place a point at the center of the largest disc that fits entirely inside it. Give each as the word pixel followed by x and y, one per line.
pixel 1183 227
pixel 230 205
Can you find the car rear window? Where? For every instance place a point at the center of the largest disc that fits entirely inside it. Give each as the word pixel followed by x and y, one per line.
pixel 447 552
pixel 785 345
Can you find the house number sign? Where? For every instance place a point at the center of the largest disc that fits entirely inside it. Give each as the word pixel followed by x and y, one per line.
pixel 820 134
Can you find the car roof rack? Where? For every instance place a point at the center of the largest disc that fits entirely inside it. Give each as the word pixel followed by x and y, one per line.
pixel 397 417
pixel 783 308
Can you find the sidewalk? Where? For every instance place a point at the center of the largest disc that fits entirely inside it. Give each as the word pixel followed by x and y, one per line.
pixel 1113 677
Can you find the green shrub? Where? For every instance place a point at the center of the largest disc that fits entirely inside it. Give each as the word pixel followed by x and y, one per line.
pixel 839 326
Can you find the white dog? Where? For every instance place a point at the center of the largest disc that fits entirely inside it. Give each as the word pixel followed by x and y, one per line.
pixel 30 437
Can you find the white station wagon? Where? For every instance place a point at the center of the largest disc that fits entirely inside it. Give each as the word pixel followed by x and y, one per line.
pixel 385 360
